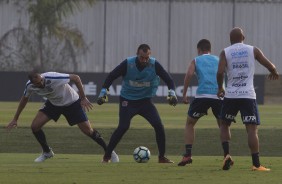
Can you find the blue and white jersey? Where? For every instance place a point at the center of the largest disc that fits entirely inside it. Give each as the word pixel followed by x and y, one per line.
pixel 56 89
pixel 206 67
pixel 137 84
pixel 240 71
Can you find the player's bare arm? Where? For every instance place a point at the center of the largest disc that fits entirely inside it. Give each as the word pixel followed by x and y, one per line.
pixel 84 101
pixel 259 56
pixel 189 74
pixel 220 74
pixel 21 106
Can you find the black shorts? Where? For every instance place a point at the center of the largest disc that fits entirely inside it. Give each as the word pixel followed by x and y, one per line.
pixel 199 107
pixel 247 107
pixel 74 113
pixel 145 108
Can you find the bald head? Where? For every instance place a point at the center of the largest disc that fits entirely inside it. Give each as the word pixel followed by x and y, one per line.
pixel 236 35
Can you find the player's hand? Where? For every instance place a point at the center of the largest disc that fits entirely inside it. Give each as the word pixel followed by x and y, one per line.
pixel 103 97
pixel 185 100
pixel 220 93
pixel 171 98
pixel 273 75
pixel 86 105
pixel 12 124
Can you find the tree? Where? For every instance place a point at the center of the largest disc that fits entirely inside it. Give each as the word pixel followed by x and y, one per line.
pixel 48 42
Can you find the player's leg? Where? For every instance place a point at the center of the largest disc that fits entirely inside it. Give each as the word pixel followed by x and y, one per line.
pixel 225 137
pixel 38 122
pixel 86 128
pixel 228 113
pixel 253 142
pixel 250 117
pixel 197 109
pixel 46 113
pixel 126 113
pixel 150 113
pixel 189 137
pixel 216 105
pixel 76 115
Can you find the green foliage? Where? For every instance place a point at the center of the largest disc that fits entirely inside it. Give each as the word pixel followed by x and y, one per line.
pixel 47 16
pixel 49 42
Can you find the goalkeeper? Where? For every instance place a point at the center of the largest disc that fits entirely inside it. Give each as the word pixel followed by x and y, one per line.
pixel 140 80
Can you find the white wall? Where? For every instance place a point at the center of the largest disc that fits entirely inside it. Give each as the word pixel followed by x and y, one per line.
pixel 115 28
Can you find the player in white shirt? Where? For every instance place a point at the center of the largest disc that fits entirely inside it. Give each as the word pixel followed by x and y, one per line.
pixel 61 99
pixel 238 61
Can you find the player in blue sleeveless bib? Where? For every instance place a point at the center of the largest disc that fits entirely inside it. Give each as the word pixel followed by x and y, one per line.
pixel 137 85
pixel 140 79
pixel 205 67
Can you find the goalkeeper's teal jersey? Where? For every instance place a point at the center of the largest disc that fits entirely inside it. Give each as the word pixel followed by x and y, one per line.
pixel 137 84
pixel 206 70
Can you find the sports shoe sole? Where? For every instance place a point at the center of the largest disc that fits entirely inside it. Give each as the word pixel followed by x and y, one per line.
pixel 183 163
pixel 114 157
pixel 165 161
pixel 261 168
pixel 42 158
pixel 227 164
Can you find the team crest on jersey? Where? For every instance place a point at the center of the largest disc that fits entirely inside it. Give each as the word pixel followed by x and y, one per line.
pixel 124 103
pixel 48 82
pixel 48 88
pixel 131 65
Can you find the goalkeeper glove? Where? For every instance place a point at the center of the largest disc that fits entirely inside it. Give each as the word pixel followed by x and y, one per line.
pixel 103 97
pixel 171 98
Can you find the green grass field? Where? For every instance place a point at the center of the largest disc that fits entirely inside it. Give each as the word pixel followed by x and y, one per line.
pixel 77 159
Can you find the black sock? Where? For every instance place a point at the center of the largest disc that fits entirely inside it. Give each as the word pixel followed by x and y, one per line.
pixel 96 136
pixel 161 139
pixel 40 136
pixel 225 146
pixel 255 159
pixel 188 150
pixel 114 140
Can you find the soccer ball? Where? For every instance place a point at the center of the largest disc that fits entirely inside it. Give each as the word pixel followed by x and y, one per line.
pixel 141 154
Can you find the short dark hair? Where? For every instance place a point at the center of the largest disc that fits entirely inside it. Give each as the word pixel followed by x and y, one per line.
pixel 144 48
pixel 32 74
pixel 204 45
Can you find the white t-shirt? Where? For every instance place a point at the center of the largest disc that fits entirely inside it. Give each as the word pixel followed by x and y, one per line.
pixel 56 89
pixel 240 71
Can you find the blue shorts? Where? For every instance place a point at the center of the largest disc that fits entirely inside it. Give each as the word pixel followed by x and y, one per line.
pixel 247 107
pixel 74 113
pixel 199 107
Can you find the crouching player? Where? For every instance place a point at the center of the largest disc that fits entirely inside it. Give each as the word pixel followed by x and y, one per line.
pixel 61 99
